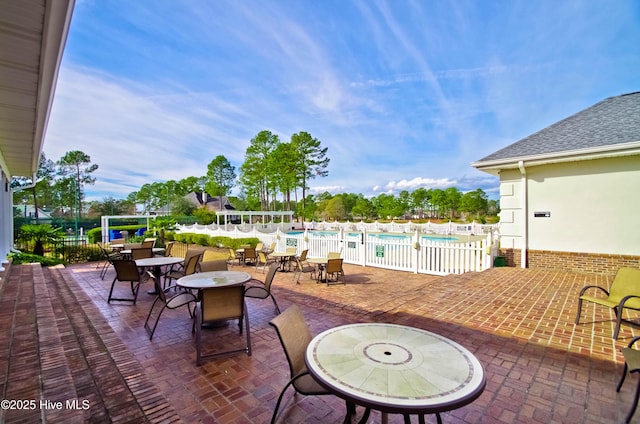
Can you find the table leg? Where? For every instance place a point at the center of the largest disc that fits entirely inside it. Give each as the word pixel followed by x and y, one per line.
pixel 157 272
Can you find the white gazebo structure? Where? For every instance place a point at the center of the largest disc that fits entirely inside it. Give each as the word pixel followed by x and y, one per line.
pixel 251 214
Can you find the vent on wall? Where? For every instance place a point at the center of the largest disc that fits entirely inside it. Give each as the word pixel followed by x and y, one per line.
pixel 542 214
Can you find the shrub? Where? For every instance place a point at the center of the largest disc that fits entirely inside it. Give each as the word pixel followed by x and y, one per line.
pixel 40 234
pixel 30 258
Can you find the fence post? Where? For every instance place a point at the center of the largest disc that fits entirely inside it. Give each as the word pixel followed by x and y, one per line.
pixel 305 239
pixel 415 254
pixel 363 247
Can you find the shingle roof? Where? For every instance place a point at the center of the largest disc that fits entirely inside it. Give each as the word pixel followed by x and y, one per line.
pixel 615 120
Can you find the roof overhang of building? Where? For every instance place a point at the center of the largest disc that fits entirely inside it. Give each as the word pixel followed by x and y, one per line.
pixel 494 167
pixel 32 38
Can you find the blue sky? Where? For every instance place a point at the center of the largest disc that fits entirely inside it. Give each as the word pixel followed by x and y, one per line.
pixel 404 94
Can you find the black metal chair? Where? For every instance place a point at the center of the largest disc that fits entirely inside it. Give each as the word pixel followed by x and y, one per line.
pixel 175 301
pixel 631 365
pixel 126 271
pixel 262 290
pixel 221 304
pixel 294 335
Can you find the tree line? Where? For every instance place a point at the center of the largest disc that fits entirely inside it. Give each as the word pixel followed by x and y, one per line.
pixel 270 178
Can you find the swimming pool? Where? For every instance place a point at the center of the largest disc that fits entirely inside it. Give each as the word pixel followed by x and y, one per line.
pixel 381 236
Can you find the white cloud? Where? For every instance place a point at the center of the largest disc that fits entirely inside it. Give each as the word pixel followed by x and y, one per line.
pixel 418 182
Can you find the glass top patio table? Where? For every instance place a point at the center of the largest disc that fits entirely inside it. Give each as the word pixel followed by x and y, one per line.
pixel 212 279
pixel 395 369
pixel 284 258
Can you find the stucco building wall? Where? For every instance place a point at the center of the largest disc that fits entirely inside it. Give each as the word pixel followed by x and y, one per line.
pixel 575 214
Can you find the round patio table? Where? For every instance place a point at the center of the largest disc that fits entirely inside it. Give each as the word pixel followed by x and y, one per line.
pixel 284 259
pixel 213 279
pixel 157 262
pixel 395 369
pixel 320 263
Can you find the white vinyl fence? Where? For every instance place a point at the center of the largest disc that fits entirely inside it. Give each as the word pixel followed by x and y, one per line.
pixel 414 252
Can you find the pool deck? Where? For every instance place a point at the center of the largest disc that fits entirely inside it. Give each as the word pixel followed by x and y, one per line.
pixel 62 341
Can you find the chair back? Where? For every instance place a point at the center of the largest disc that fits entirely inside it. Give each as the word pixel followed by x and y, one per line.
pixel 303 255
pixel 129 246
pixel 260 246
pixel 149 242
pixel 232 253
pixel 222 303
pixel 126 270
pixel 272 247
pixel 273 268
pixel 291 251
pixel 118 241
pixel 262 257
pixel 250 253
pixel 333 255
pixel 334 265
pixel 626 282
pixel 193 252
pixel 103 249
pixel 294 336
pixel 191 264
pixel 217 265
pixel 141 253
pixel 168 248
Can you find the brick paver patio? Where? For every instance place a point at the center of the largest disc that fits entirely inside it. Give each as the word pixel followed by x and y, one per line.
pixel 60 341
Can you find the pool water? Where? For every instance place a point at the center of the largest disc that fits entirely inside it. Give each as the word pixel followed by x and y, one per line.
pixel 381 236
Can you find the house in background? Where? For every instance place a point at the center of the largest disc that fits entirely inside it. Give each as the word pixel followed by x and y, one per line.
pixel 212 203
pixel 570 193
pixel 29 211
pixel 215 204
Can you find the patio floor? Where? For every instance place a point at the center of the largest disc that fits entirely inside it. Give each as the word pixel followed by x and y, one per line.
pixel 61 341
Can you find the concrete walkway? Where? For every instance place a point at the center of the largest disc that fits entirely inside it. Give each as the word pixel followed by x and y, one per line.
pixel 61 340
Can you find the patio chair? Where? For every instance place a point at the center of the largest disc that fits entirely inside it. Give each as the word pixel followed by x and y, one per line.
pixel 250 255
pixel 126 271
pixel 118 241
pixel 233 256
pixel 109 257
pixel 168 248
pixel 294 335
pixel 303 256
pixel 333 272
pixel 631 365
pixel 624 293
pixel 301 268
pixel 333 255
pixel 259 246
pixel 221 304
pixel 270 249
pixel 291 251
pixel 141 253
pixel 260 290
pixel 217 265
pixel 191 260
pixel 264 260
pixel 149 242
pixel 177 300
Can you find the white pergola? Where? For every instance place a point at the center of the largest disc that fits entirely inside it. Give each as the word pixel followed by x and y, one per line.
pixel 251 214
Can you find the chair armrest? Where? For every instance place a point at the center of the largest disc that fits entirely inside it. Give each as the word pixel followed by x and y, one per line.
pixel 254 282
pixel 635 339
pixel 585 288
pixel 624 300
